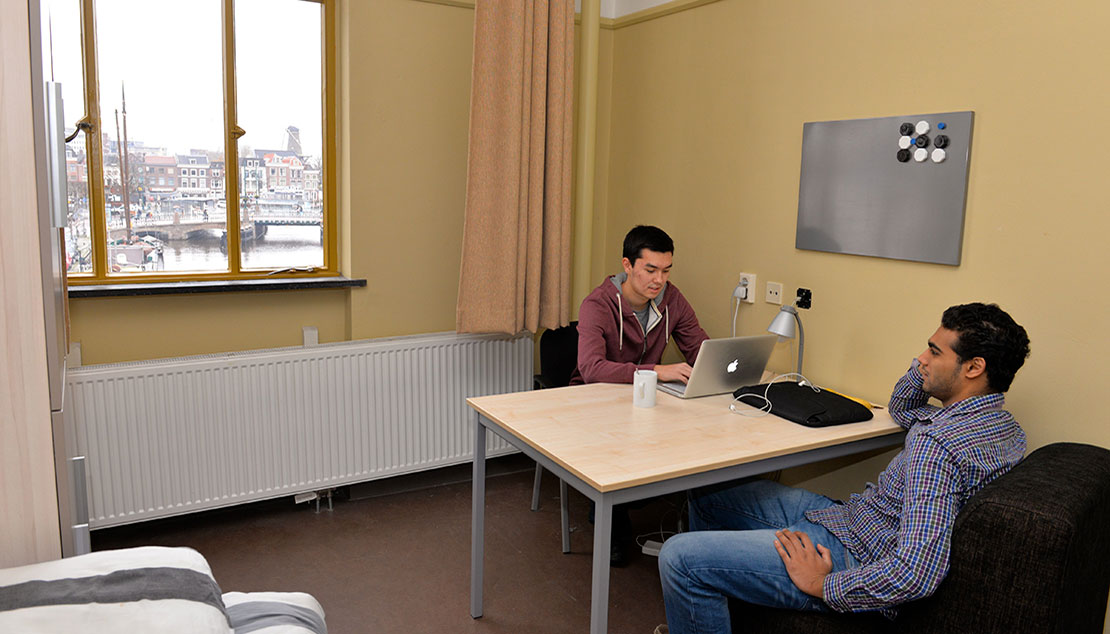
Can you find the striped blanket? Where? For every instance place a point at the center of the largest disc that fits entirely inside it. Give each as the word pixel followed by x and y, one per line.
pixel 149 589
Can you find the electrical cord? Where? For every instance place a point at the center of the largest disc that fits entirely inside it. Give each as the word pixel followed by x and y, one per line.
pixel 766 408
pixel 661 533
pixel 739 294
pixel 735 310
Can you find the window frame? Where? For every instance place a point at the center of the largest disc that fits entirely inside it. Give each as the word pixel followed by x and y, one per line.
pixel 100 275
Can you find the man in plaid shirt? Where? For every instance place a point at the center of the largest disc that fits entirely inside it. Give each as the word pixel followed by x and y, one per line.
pixel 778 546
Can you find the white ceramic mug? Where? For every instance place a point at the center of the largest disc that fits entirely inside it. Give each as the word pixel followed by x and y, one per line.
pixel 643 388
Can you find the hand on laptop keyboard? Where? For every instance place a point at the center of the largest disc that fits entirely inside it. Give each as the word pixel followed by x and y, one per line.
pixel 674 372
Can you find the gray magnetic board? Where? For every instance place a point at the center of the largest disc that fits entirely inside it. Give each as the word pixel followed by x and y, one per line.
pixel 891 187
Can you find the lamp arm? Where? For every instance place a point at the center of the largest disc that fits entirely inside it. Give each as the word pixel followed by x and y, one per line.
pixel 801 340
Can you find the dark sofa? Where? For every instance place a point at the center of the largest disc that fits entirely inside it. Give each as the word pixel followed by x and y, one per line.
pixel 1030 553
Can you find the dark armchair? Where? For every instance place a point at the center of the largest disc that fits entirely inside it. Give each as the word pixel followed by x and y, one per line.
pixel 1030 553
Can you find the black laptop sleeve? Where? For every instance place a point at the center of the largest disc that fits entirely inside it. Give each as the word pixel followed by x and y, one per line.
pixel 802 404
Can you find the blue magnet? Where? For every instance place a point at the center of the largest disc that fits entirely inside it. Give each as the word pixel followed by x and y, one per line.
pixel 942 125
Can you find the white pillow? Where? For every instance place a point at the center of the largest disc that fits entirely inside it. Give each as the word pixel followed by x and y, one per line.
pixel 151 589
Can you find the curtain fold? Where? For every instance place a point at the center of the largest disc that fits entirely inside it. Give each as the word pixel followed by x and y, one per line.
pixel 515 272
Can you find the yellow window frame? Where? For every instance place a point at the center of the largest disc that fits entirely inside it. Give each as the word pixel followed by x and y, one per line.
pixel 95 162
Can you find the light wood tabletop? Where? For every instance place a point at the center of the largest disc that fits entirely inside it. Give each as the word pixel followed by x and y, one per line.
pixel 596 433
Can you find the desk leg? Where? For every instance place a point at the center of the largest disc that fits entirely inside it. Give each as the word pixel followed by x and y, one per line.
pixel 564 515
pixel 599 601
pixel 478 517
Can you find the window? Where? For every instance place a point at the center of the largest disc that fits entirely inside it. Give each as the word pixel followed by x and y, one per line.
pixel 216 122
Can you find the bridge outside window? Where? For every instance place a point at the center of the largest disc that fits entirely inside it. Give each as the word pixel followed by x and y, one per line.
pixel 246 124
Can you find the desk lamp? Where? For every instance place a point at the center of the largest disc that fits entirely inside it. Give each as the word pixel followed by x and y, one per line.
pixel 783 323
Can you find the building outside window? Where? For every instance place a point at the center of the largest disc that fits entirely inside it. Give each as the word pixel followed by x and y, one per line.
pixel 147 123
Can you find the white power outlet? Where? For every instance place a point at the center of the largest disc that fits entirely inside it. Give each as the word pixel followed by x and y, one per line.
pixel 750 277
pixel 774 293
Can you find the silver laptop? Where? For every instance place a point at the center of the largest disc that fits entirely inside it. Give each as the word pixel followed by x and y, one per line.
pixel 723 365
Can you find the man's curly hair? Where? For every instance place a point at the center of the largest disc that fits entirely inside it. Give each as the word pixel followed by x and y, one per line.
pixel 986 331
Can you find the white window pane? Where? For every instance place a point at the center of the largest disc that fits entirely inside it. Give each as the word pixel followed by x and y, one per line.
pixel 280 107
pixel 169 119
pixel 65 67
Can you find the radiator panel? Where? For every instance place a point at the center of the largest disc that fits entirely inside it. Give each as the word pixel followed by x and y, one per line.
pixel 174 436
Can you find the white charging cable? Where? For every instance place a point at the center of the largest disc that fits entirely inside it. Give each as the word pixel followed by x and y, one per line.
pixel 766 407
pixel 739 294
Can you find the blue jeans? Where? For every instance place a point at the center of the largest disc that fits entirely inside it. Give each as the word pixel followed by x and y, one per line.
pixel 730 552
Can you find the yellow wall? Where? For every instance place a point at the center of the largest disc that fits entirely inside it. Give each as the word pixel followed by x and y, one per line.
pixel 707 113
pixel 708 108
pixel 409 117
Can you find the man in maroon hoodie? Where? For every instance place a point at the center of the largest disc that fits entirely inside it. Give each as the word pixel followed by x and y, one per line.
pixel 625 323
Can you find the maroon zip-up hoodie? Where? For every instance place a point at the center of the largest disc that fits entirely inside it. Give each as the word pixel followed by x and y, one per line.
pixel 612 343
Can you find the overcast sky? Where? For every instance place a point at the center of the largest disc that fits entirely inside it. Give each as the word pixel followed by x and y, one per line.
pixel 169 55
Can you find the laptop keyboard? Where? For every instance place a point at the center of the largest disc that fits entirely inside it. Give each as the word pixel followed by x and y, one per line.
pixel 674 386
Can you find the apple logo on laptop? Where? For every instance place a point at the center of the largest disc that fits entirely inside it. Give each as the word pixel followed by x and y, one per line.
pixel 732 366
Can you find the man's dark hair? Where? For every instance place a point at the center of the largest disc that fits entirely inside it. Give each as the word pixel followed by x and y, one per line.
pixel 985 330
pixel 646 237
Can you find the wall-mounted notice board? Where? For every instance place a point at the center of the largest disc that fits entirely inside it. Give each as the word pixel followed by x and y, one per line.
pixel 890 187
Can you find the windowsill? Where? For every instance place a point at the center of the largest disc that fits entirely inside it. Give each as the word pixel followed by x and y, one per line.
pixel 217 286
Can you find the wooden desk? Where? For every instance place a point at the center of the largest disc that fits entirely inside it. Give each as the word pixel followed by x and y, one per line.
pixel 595 440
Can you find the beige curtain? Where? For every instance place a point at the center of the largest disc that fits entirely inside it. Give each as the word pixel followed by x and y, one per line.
pixel 515 271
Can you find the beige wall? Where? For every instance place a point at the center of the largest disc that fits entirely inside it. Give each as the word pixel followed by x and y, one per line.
pixel 706 123
pixel 708 107
pixel 409 113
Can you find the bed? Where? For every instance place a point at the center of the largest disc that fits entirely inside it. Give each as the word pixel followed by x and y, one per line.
pixel 151 589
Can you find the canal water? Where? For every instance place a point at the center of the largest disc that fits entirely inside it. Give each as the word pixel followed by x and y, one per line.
pixel 280 247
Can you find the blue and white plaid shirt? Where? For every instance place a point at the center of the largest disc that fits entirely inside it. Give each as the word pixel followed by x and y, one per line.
pixel 900 529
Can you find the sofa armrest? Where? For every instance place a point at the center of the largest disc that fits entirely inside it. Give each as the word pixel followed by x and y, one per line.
pixel 1029 551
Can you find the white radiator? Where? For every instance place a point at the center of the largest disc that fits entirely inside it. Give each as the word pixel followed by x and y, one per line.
pixel 173 436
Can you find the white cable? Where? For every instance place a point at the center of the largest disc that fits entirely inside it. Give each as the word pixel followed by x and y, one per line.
pixel 766 409
pixel 735 310
pixel 739 294
pixel 663 534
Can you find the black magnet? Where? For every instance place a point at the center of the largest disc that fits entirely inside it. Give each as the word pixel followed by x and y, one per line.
pixel 906 129
pixel 922 141
pixel 903 156
pixel 941 141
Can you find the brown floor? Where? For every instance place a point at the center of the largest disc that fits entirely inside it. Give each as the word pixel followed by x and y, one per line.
pixel 394 557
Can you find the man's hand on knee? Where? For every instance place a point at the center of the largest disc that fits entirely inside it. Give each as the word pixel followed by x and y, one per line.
pixel 807 565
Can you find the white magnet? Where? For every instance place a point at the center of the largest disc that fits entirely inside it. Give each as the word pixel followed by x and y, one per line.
pixel 920 154
pixel 922 127
pixel 939 155
pixel 904 142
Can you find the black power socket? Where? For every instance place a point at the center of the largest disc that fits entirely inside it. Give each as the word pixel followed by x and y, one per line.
pixel 805 298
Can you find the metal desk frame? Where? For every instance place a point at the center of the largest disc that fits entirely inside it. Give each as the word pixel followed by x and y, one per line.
pixel 603 514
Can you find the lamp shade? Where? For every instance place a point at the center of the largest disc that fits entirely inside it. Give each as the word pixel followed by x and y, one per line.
pixel 783 323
